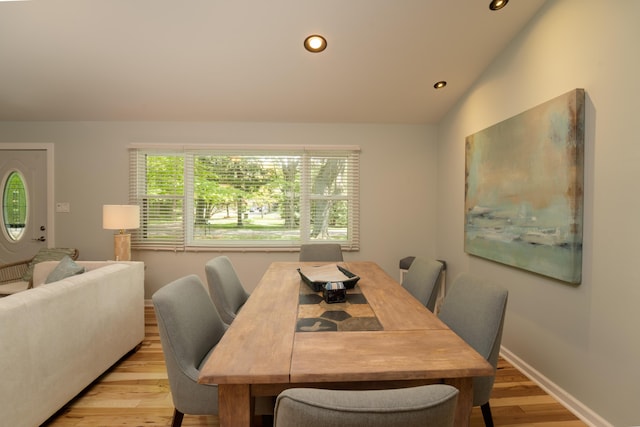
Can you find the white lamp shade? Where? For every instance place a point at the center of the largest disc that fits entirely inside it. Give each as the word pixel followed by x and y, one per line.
pixel 120 217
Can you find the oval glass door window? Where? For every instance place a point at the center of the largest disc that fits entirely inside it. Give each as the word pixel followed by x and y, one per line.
pixel 14 206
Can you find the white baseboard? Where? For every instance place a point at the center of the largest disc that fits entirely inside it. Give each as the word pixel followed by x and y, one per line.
pixel 580 410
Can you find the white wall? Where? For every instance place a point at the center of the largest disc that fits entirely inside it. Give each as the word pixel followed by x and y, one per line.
pixel 91 169
pixel 584 339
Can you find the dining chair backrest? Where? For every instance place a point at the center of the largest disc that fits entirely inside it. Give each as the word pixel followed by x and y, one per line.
pixel 190 328
pixel 475 310
pixel 321 252
pixel 421 280
pixel 225 288
pixel 431 405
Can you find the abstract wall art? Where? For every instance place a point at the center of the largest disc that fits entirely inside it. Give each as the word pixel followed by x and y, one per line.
pixel 524 189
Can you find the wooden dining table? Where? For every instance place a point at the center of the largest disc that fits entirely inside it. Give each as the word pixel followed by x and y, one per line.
pixel 264 351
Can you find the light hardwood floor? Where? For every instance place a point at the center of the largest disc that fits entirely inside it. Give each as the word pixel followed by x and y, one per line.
pixel 135 392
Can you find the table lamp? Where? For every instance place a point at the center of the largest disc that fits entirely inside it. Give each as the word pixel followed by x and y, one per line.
pixel 121 217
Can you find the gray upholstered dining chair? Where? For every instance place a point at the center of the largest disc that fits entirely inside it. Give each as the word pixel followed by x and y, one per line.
pixel 431 405
pixel 225 288
pixel 190 328
pixel 475 310
pixel 321 252
pixel 421 281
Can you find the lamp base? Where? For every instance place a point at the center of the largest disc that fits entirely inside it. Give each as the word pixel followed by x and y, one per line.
pixel 122 247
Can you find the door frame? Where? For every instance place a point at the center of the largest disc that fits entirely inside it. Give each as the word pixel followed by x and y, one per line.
pixel 48 147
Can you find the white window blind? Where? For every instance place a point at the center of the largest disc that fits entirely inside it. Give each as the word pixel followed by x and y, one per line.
pixel 245 197
pixel 157 186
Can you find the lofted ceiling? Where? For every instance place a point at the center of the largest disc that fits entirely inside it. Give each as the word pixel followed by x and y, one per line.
pixel 243 60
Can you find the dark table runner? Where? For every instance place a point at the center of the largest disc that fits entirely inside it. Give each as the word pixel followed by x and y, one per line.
pixel 314 314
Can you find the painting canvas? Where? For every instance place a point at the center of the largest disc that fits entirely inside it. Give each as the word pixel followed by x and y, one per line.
pixel 524 189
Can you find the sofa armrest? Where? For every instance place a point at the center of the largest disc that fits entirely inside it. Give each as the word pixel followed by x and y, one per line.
pixel 42 270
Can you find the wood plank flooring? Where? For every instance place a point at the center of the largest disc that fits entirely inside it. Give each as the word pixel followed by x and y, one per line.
pixel 135 392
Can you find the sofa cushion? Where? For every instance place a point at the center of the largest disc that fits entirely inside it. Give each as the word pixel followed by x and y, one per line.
pixel 65 268
pixel 46 254
pixel 42 270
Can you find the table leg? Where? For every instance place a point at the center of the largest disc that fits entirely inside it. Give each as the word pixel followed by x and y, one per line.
pixel 465 399
pixel 234 405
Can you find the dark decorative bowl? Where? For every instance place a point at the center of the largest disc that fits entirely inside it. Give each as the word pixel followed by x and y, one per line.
pixel 318 286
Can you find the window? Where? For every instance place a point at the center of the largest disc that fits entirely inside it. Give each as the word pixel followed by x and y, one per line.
pixel 247 197
pixel 14 206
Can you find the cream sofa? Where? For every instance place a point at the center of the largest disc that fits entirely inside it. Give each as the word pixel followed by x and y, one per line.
pixel 57 338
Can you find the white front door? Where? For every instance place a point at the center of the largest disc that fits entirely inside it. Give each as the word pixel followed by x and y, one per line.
pixel 23 195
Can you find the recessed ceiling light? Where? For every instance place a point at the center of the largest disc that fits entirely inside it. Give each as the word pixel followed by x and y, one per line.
pixel 440 84
pixel 498 4
pixel 315 43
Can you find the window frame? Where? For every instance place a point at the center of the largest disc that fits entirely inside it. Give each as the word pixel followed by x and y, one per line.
pixel 184 239
pixel 23 206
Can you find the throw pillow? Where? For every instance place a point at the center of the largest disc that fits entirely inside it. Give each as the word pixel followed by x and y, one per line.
pixel 65 268
pixel 46 254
